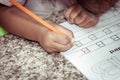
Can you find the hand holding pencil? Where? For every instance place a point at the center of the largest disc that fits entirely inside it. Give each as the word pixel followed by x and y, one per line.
pixel 52 39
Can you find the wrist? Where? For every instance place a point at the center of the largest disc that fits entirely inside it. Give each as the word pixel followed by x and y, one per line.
pixel 41 32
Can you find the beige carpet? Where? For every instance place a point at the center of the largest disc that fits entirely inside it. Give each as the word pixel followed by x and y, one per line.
pixel 21 59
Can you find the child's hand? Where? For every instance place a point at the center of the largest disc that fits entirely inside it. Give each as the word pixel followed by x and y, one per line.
pixel 77 15
pixel 53 42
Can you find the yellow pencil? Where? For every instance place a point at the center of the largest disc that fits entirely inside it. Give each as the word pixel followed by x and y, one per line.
pixel 35 17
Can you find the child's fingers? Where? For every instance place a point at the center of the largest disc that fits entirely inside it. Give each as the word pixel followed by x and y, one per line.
pixel 74 13
pixel 68 12
pixel 61 47
pixel 84 22
pixel 90 21
pixel 85 19
pixel 80 18
pixel 68 32
pixel 61 39
pixel 56 47
pixel 57 43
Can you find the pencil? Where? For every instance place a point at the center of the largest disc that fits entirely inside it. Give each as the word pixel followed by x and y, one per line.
pixel 35 17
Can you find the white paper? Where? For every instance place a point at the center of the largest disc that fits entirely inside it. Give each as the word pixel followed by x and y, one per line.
pixel 97 50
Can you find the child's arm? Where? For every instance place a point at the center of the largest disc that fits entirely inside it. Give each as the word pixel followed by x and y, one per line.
pixel 15 21
pixel 18 23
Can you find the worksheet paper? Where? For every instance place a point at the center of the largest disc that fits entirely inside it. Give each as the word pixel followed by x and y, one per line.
pixel 97 50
